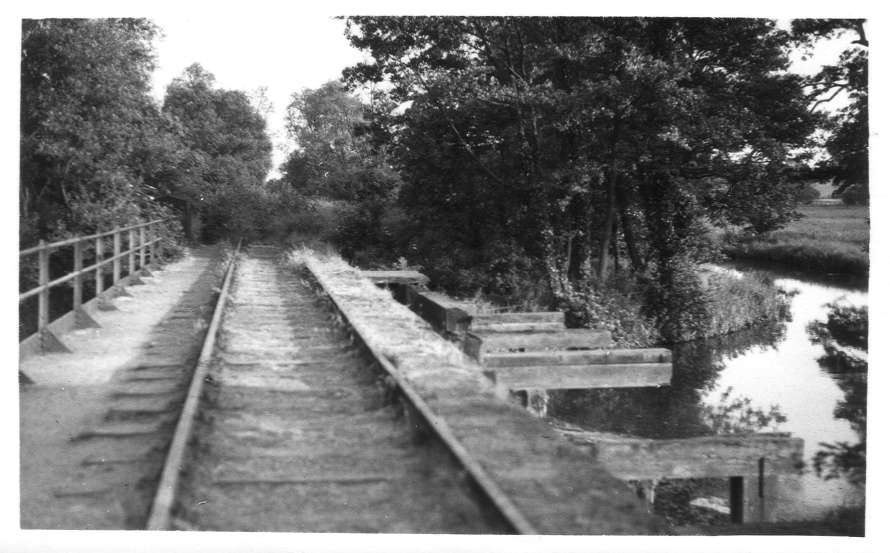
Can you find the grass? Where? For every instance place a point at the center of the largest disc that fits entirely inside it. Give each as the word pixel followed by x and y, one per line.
pixel 741 301
pixel 827 239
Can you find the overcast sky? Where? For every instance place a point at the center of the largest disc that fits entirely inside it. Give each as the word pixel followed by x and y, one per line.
pixel 286 54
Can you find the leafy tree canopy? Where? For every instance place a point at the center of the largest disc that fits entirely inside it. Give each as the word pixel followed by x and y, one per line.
pixel 335 156
pixel 847 144
pixel 228 153
pixel 224 132
pixel 94 146
pixel 555 136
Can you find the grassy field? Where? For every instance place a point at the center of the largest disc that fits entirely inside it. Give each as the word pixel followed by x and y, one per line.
pixel 828 239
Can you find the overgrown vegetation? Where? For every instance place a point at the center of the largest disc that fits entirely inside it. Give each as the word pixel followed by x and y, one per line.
pixel 98 152
pixel 94 146
pixel 540 158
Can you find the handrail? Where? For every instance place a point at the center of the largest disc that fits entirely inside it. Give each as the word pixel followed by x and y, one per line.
pixel 74 240
pixel 141 244
pixel 85 270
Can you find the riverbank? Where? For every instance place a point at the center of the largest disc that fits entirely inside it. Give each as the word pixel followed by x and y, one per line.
pixel 827 239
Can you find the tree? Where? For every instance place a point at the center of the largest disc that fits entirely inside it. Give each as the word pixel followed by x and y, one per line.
pixel 228 153
pixel 329 128
pixel 556 136
pixel 94 146
pixel 847 144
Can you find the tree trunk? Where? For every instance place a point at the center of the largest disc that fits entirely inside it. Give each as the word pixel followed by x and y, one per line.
pixel 630 240
pixel 606 237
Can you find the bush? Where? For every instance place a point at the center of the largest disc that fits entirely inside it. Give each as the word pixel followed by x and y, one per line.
pixel 740 301
pixel 807 193
pixel 855 194
pixel 611 309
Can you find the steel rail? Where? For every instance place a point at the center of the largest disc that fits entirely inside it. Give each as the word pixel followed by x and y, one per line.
pixel 165 495
pixel 506 507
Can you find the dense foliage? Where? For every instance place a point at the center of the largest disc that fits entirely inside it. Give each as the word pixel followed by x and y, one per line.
pixel 337 159
pixel 558 148
pixel 847 142
pixel 95 150
pixel 228 152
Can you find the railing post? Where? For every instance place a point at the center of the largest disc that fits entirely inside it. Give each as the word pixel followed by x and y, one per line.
pixel 116 264
pixel 153 249
pixel 132 257
pixel 160 245
pixel 100 246
pixel 43 279
pixel 78 278
pixel 142 247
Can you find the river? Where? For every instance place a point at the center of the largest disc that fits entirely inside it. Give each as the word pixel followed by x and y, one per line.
pixel 770 366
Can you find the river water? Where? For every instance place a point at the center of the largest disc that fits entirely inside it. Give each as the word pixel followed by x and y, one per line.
pixel 765 367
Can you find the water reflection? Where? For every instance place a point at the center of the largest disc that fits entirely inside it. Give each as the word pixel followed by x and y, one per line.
pixel 777 365
pixel 675 411
pixel 844 337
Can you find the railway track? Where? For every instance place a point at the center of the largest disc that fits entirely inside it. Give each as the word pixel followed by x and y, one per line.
pixel 291 424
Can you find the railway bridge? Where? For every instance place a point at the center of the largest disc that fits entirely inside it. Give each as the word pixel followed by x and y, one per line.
pixel 255 388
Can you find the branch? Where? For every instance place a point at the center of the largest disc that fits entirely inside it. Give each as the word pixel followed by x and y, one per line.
pixel 826 87
pixel 451 124
pixel 470 151
pixel 824 100
pixel 860 28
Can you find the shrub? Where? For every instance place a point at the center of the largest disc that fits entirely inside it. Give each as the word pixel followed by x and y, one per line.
pixel 856 194
pixel 740 301
pixel 611 309
pixel 807 193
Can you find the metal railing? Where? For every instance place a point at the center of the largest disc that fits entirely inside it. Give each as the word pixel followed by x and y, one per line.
pixel 142 241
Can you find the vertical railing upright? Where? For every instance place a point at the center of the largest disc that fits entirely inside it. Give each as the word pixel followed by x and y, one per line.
pixel 116 264
pixel 100 254
pixel 43 279
pixel 142 248
pixel 78 278
pixel 152 248
pixel 131 266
